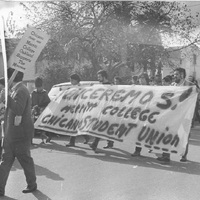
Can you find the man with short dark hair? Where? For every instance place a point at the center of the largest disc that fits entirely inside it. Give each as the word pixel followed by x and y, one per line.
pixel 102 77
pixel 39 96
pixel 19 130
pixel 75 80
pixel 117 80
pixel 143 79
pixel 167 80
pixel 179 80
pixel 134 80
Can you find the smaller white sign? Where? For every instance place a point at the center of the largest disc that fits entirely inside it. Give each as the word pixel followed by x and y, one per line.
pixel 28 49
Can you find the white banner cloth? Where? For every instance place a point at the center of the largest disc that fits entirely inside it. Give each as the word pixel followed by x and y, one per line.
pixel 153 117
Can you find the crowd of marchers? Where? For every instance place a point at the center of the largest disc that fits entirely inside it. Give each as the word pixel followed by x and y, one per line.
pixel 23 108
pixel 178 78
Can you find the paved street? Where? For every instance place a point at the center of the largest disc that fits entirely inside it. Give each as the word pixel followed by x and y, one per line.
pixel 80 174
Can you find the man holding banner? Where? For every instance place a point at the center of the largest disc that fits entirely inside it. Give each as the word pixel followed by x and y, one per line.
pixel 75 81
pixel 180 80
pixel 18 129
pixel 102 78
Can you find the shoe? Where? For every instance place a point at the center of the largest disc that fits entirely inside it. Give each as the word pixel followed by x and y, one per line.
pixel 183 159
pixel 70 145
pixel 108 147
pixel 135 154
pixel 29 190
pixel 163 159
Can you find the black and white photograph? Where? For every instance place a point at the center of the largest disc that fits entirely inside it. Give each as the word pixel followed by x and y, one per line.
pixel 99 100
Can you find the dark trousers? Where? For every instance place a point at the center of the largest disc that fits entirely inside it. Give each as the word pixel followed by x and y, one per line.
pixel 95 142
pixel 167 155
pixel 110 143
pixel 86 137
pixel 72 140
pixel 196 114
pixel 21 151
pixel 186 151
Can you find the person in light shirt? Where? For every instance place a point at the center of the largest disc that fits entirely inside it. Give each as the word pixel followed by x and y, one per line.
pixel 179 80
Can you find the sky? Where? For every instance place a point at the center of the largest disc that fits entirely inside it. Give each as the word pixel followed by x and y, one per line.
pixel 19 13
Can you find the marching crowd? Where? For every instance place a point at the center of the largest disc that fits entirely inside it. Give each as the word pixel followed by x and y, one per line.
pixel 177 79
pixel 22 110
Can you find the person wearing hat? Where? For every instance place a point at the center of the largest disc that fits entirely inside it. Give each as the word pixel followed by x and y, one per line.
pixel 75 80
pixel 19 130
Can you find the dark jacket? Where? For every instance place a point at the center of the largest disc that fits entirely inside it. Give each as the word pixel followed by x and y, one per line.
pixel 19 104
pixel 40 99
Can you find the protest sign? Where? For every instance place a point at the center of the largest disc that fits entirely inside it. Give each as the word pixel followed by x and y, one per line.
pixel 28 49
pixel 153 117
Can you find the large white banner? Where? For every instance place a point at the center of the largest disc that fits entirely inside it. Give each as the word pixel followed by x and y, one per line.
pixel 28 49
pixel 153 117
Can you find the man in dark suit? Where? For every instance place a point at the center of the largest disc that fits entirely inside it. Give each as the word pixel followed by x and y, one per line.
pixel 19 130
